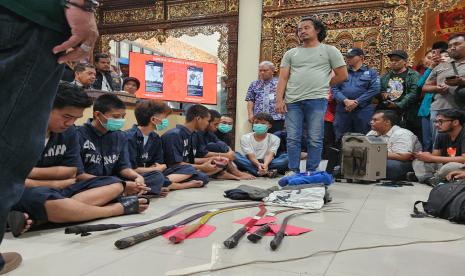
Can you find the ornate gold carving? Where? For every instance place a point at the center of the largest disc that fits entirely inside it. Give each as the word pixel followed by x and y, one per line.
pixel 149 14
pixel 196 9
pixel 233 6
pixel 159 34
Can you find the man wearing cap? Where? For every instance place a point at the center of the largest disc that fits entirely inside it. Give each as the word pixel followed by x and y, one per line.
pixel 354 96
pixel 399 91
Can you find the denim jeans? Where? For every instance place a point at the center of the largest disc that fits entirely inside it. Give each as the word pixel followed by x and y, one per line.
pixel 434 131
pixel 427 136
pixel 397 170
pixel 244 164
pixel 357 121
pixel 309 113
pixel 29 76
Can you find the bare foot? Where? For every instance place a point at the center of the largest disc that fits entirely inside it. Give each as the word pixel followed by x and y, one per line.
pixel 227 176
pixel 143 204
pixel 186 185
pixel 246 176
pixel 19 223
pixel 164 191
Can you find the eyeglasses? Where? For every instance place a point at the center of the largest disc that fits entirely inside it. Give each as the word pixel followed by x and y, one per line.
pixel 440 122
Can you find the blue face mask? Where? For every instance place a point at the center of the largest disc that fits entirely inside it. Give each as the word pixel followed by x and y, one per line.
pixel 113 124
pixel 164 124
pixel 260 128
pixel 224 128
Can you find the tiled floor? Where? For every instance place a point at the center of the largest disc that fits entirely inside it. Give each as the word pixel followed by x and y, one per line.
pixel 378 215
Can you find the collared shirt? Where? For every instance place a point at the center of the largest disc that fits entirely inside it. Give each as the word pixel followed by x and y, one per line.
pixel 179 145
pixel 263 95
pixel 141 153
pixel 439 75
pixel 103 154
pixel 399 140
pixel 203 138
pixel 361 85
pixel 61 149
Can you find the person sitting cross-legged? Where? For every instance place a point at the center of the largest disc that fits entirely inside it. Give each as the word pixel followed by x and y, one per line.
pixel 211 146
pixel 448 149
pixel 401 143
pixel 260 149
pixel 104 149
pixel 180 145
pixel 146 149
pixel 52 193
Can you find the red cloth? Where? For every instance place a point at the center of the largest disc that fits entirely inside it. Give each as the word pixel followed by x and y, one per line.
pixel 329 116
pixel 203 232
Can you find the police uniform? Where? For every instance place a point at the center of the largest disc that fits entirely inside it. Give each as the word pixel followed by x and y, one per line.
pixel 146 153
pixel 108 154
pixel 62 149
pixel 180 145
pixel 362 85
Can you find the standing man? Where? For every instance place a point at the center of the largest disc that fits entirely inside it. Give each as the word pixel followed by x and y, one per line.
pixel 104 80
pixel 399 91
pixel 304 80
pixel 261 96
pixel 353 97
pixel 33 33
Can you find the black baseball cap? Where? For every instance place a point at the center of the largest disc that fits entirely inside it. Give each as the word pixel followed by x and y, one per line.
pixel 399 53
pixel 355 52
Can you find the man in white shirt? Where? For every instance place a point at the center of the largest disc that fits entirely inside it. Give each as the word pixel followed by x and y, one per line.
pixel 260 149
pixel 401 143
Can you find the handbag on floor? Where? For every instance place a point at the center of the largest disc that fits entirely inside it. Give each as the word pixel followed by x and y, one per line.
pixel 445 201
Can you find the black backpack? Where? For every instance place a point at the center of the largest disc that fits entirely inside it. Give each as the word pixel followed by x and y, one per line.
pixel 445 201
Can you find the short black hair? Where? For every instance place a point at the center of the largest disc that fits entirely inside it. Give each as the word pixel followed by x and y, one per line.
pixel 146 109
pixel 440 45
pixel 263 116
pixel 81 67
pixel 318 25
pixel 197 110
pixel 390 116
pixel 455 36
pixel 453 114
pixel 70 95
pixel 214 115
pixel 98 56
pixel 107 102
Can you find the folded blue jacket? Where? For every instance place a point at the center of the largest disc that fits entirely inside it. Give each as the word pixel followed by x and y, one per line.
pixel 320 177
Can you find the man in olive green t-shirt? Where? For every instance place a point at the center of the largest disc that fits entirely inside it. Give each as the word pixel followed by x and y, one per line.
pixel 32 35
pixel 303 86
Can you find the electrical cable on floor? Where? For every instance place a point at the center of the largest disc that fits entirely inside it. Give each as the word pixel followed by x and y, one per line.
pixel 322 252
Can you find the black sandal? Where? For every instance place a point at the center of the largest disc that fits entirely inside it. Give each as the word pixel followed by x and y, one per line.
pixel 16 222
pixel 131 204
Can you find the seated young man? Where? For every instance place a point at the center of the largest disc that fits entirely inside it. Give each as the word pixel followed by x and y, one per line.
pixel 401 143
pixel 448 150
pixel 260 149
pixel 52 193
pixel 104 148
pixel 180 145
pixel 211 146
pixel 224 129
pixel 146 149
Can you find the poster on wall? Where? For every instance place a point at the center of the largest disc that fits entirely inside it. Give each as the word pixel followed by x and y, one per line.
pixel 172 79
pixel 451 22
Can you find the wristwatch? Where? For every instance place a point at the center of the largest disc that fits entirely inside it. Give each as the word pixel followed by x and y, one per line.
pixel 88 6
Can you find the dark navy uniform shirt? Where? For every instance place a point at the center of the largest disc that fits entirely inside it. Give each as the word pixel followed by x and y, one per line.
pixel 62 149
pixel 203 138
pixel 179 145
pixel 103 154
pixel 141 155
pixel 361 85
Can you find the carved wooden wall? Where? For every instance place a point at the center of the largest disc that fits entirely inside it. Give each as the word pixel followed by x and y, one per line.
pixel 132 19
pixel 377 26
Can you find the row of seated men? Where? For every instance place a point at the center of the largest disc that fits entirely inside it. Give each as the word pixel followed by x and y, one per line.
pixel 96 170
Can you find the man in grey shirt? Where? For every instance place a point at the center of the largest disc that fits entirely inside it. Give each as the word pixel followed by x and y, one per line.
pixel 305 80
pixel 439 81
